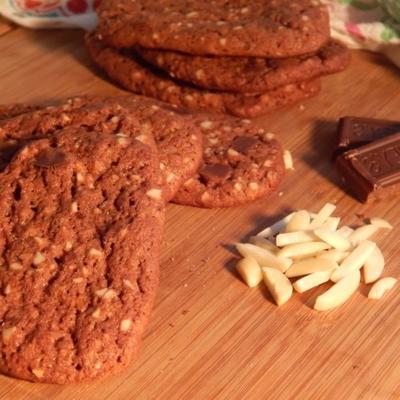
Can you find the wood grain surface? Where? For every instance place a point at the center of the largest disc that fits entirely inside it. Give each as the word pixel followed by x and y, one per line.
pixel 210 337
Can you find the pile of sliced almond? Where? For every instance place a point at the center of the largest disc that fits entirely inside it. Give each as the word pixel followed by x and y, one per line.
pixel 314 248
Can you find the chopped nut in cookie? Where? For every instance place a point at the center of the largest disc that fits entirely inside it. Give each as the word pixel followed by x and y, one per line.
pixel 39 373
pixel 253 186
pixel 96 313
pixel 128 284
pixel 232 153
pixel 206 124
pixel 155 194
pixel 238 186
pixel 95 252
pixel 79 177
pixel 8 332
pixel 125 325
pixel 38 258
pixel 269 136
pixel 106 293
pixel 15 266
pixel 74 207
pixel 40 241
pixel 170 177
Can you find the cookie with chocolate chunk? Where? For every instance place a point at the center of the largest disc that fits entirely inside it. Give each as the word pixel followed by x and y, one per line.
pixel 77 112
pixel 257 28
pixel 129 71
pixel 241 163
pixel 248 74
pixel 178 141
pixel 82 215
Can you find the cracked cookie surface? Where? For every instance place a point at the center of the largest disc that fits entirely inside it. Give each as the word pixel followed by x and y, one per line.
pixel 264 28
pixel 82 216
pixel 178 141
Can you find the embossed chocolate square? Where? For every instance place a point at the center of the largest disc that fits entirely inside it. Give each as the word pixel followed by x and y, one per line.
pixel 355 131
pixel 372 171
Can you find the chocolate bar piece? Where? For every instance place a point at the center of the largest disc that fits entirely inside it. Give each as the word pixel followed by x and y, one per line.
pixel 372 171
pixel 354 132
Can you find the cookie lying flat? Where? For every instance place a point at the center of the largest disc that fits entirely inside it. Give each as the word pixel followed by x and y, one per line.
pixel 248 75
pixel 130 73
pixel 178 141
pixel 241 163
pixel 81 216
pixel 263 28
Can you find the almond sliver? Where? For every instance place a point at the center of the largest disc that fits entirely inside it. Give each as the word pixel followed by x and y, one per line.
pixel 264 243
pixel 265 258
pixel 382 223
pixel 334 239
pixel 362 233
pixel 250 271
pixel 331 224
pixel 354 261
pixel 345 231
pixel 334 255
pixel 325 212
pixel 310 281
pixel 374 266
pixel 288 160
pixel 284 239
pixel 380 287
pixel 278 284
pixel 302 249
pixel 276 227
pixel 299 222
pixel 339 293
pixel 310 265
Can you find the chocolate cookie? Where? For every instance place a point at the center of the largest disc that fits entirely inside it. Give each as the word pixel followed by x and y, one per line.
pixel 261 28
pixel 13 110
pixel 178 141
pixel 248 74
pixel 22 129
pixel 82 215
pixel 132 74
pixel 241 163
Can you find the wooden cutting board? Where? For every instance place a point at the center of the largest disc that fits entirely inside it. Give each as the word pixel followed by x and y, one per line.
pixel 210 337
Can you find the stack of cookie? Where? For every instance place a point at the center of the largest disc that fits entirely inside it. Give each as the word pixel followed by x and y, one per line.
pixel 84 187
pixel 243 58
